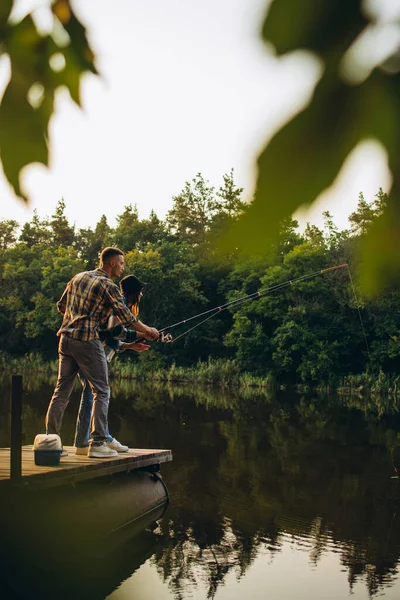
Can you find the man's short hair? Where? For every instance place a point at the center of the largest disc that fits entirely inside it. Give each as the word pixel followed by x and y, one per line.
pixel 108 253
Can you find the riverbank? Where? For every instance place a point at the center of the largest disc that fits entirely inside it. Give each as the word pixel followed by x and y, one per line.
pixel 218 372
pixel 224 373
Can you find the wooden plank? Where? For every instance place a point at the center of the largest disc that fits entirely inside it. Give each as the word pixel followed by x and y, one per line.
pixel 74 468
pixel 16 428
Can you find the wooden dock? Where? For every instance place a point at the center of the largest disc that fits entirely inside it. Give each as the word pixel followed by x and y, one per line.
pixel 75 468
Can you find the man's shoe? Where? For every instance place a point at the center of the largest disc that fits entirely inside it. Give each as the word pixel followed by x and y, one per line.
pixel 84 450
pixel 102 451
pixel 64 452
pixel 115 445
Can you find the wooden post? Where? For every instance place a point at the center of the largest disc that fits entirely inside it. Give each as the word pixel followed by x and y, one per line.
pixel 16 428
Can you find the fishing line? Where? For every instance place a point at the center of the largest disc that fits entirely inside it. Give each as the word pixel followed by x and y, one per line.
pixel 212 312
pixel 194 327
pixel 359 312
pixel 260 293
pixel 242 299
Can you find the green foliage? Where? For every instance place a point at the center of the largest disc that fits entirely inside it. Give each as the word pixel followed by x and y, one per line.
pixel 307 333
pixel 62 233
pixel 199 214
pixel 193 210
pixel 37 232
pixel 305 156
pixel 173 290
pixel 366 214
pixel 301 160
pixel 28 101
pixel 131 232
pixel 8 233
pixel 89 243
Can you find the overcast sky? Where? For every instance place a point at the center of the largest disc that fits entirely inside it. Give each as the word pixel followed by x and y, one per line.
pixel 186 87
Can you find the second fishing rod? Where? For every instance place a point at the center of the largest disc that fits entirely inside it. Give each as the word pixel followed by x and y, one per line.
pixel 210 313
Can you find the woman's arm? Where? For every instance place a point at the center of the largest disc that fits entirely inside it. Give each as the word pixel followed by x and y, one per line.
pixel 137 346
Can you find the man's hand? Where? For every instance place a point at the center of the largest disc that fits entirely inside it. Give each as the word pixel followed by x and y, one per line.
pixel 151 333
pixel 137 346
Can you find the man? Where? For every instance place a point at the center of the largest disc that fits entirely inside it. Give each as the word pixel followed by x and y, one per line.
pixel 86 303
pixel 131 289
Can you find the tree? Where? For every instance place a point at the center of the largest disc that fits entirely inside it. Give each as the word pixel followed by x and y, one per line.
pixel 192 211
pixel 20 277
pixel 57 268
pixel 63 233
pixel 36 232
pixel 172 294
pixel 302 332
pixel 8 233
pixel 131 232
pixel 362 219
pixel 151 231
pixel 229 197
pixel 89 243
pixel 307 331
pixel 228 205
pixel 126 235
pixel 287 238
pixel 367 213
pixel 314 235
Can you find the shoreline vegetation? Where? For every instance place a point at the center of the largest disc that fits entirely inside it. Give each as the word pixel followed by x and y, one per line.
pixel 306 323
pixel 219 373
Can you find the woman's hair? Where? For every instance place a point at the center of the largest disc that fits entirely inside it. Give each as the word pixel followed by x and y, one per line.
pixel 131 287
pixel 135 305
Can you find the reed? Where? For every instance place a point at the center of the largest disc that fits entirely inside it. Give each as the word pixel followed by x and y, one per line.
pixel 213 372
pixel 375 384
pixel 29 363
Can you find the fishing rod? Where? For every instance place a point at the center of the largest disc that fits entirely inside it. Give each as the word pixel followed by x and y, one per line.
pixel 258 294
pixel 210 313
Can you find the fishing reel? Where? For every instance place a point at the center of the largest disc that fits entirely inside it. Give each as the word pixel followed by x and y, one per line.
pixel 165 338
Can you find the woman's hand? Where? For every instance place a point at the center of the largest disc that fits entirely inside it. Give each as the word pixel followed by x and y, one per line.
pixel 137 346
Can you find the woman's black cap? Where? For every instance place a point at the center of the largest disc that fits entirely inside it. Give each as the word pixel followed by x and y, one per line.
pixel 131 285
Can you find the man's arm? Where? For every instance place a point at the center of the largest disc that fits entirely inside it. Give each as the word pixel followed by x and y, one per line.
pixel 118 305
pixel 62 303
pixel 145 331
pixel 126 317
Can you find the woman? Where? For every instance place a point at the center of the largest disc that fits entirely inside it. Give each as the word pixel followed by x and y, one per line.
pixel 116 338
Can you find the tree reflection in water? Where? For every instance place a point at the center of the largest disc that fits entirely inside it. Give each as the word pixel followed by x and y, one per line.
pixel 253 471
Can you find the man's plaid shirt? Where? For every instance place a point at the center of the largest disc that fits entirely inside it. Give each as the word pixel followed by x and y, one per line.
pixel 87 302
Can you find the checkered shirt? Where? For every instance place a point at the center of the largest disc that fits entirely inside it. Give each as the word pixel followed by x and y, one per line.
pixel 87 302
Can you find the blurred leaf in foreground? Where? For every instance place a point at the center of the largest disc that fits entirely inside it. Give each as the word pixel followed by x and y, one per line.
pixel 305 156
pixel 39 65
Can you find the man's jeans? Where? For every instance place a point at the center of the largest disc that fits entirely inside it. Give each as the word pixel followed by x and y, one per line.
pixel 89 358
pixel 84 416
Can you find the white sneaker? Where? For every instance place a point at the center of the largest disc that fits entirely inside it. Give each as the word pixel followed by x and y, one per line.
pixel 84 450
pixel 64 452
pixel 102 451
pixel 115 445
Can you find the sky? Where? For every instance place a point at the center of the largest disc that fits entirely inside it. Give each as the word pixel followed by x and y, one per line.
pixel 185 87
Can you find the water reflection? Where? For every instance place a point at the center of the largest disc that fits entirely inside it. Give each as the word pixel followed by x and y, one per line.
pixel 256 475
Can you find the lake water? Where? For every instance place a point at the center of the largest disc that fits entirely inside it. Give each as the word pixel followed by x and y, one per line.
pixel 273 495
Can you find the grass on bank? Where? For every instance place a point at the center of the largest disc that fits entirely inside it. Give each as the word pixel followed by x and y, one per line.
pixel 215 372
pixel 225 373
pixel 28 364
